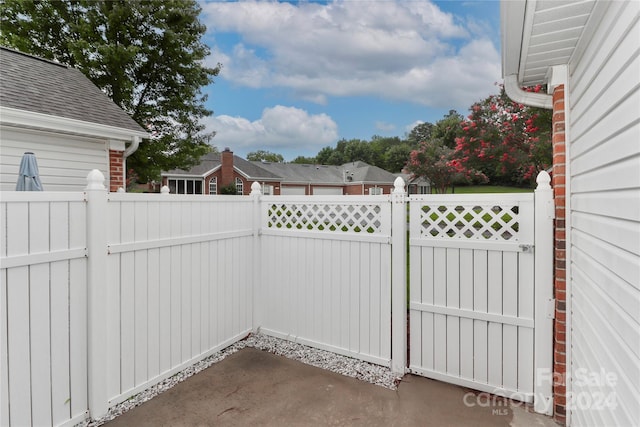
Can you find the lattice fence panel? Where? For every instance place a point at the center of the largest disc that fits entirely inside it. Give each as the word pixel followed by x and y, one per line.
pixel 473 222
pixel 350 218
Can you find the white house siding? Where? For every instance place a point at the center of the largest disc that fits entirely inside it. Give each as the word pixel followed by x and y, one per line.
pixel 604 136
pixel 63 160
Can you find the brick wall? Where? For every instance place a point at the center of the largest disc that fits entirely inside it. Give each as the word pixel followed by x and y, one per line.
pixel 227 176
pixel 116 170
pixel 558 183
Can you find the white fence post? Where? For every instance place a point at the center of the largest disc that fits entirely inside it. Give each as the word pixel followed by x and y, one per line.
pixel 256 319
pixel 399 277
pixel 96 293
pixel 544 302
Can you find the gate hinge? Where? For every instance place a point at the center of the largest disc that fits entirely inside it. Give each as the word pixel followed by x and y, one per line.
pixel 551 308
pixel 526 248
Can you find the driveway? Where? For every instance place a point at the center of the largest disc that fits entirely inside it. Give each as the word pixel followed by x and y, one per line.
pixel 257 388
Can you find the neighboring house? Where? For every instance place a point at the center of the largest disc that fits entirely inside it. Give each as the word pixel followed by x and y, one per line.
pixel 217 170
pixel 587 54
pixel 416 184
pixel 351 178
pixel 70 125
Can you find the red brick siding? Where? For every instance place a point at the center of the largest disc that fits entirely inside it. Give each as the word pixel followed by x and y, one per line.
pixel 558 183
pixel 227 174
pixel 116 170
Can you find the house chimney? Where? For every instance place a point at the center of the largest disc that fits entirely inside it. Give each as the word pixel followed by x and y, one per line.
pixel 226 158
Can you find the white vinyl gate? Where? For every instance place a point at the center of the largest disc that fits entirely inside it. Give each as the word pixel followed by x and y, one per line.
pixel 472 295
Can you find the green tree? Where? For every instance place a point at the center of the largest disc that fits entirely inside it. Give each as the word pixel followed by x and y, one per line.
pixel 435 161
pixel 396 157
pixel 263 155
pixel 432 161
pixel 420 133
pixel 304 160
pixel 146 55
pixel 324 155
pixel 509 142
pixel 448 128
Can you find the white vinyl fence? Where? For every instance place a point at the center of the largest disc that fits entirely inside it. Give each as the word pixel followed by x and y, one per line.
pixel 327 273
pixel 178 286
pixel 473 291
pixel 43 316
pixel 103 295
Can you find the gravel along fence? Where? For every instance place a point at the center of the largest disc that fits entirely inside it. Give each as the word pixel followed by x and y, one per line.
pixel 333 362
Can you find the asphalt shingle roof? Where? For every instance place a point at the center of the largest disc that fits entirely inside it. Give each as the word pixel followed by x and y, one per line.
pixel 292 172
pixel 38 85
pixel 359 171
pixel 211 161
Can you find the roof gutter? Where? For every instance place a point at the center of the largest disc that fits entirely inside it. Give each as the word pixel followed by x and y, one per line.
pixel 531 99
pixel 135 142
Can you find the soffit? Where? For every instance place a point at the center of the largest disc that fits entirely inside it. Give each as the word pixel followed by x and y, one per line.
pixel 537 35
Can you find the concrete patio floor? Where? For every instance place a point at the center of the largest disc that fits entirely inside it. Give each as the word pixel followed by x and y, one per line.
pixel 254 387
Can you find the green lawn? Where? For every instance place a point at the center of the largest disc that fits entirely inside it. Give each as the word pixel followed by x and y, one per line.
pixel 475 189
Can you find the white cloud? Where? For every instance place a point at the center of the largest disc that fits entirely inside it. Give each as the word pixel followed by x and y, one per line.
pixel 384 126
pixel 397 50
pixel 279 129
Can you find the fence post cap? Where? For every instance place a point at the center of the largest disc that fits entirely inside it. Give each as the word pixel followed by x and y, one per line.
pixel 164 190
pixel 543 179
pixel 398 185
pixel 256 188
pixel 95 180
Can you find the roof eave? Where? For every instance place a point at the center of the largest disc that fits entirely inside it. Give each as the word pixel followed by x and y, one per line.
pixel 515 18
pixel 33 120
pixel 512 16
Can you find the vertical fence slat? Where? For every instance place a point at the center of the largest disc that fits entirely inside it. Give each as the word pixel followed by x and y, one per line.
pixel 19 356
pixel 153 313
pixel 466 303
pixel 18 339
pixel 185 299
pixel 365 298
pixel 374 300
pixel 60 338
pixel 385 302
pixel 426 332
pixel 165 335
pixel 78 336
pixel 196 291
pixel 40 344
pixel 214 294
pixel 127 321
pixel 480 303
pixel 4 342
pixel 205 308
pixel 440 299
pixel 354 299
pixel 140 316
pixel 40 315
pixel 494 306
pixel 510 332
pixel 453 300
pixel 59 235
pixel 525 335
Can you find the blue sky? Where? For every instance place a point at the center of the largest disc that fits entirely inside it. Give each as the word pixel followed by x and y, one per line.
pixel 299 76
